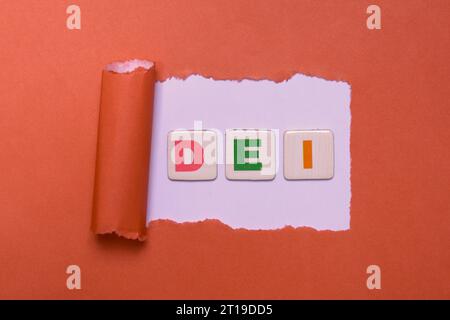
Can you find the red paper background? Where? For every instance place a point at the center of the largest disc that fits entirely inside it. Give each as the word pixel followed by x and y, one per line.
pixel 49 98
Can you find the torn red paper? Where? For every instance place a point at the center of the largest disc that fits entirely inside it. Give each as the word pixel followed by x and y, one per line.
pixel 123 149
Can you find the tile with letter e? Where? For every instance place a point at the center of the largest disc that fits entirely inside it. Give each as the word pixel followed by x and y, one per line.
pixel 308 154
pixel 192 155
pixel 250 154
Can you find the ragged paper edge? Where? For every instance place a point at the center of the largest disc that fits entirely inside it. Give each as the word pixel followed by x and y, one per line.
pixel 218 222
pixel 165 73
pixel 129 235
pixel 129 66
pixel 250 79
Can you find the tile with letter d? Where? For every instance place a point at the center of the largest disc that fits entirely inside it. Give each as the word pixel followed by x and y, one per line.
pixel 192 155
pixel 308 154
pixel 250 154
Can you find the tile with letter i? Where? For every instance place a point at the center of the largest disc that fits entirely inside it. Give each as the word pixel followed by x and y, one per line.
pixel 192 155
pixel 250 154
pixel 308 154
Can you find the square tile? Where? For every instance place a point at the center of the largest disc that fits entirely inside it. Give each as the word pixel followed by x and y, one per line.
pixel 308 154
pixel 192 155
pixel 250 154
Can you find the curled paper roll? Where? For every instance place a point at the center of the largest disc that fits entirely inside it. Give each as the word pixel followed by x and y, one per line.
pixel 123 149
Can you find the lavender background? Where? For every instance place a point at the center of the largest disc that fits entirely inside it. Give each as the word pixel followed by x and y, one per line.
pixel 301 102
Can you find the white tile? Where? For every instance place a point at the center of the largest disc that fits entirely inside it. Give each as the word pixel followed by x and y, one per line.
pixel 250 154
pixel 192 155
pixel 308 154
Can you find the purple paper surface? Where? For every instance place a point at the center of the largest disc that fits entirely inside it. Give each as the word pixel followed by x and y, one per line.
pixel 301 102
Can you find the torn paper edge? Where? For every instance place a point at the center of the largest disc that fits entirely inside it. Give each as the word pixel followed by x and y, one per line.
pixel 129 66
